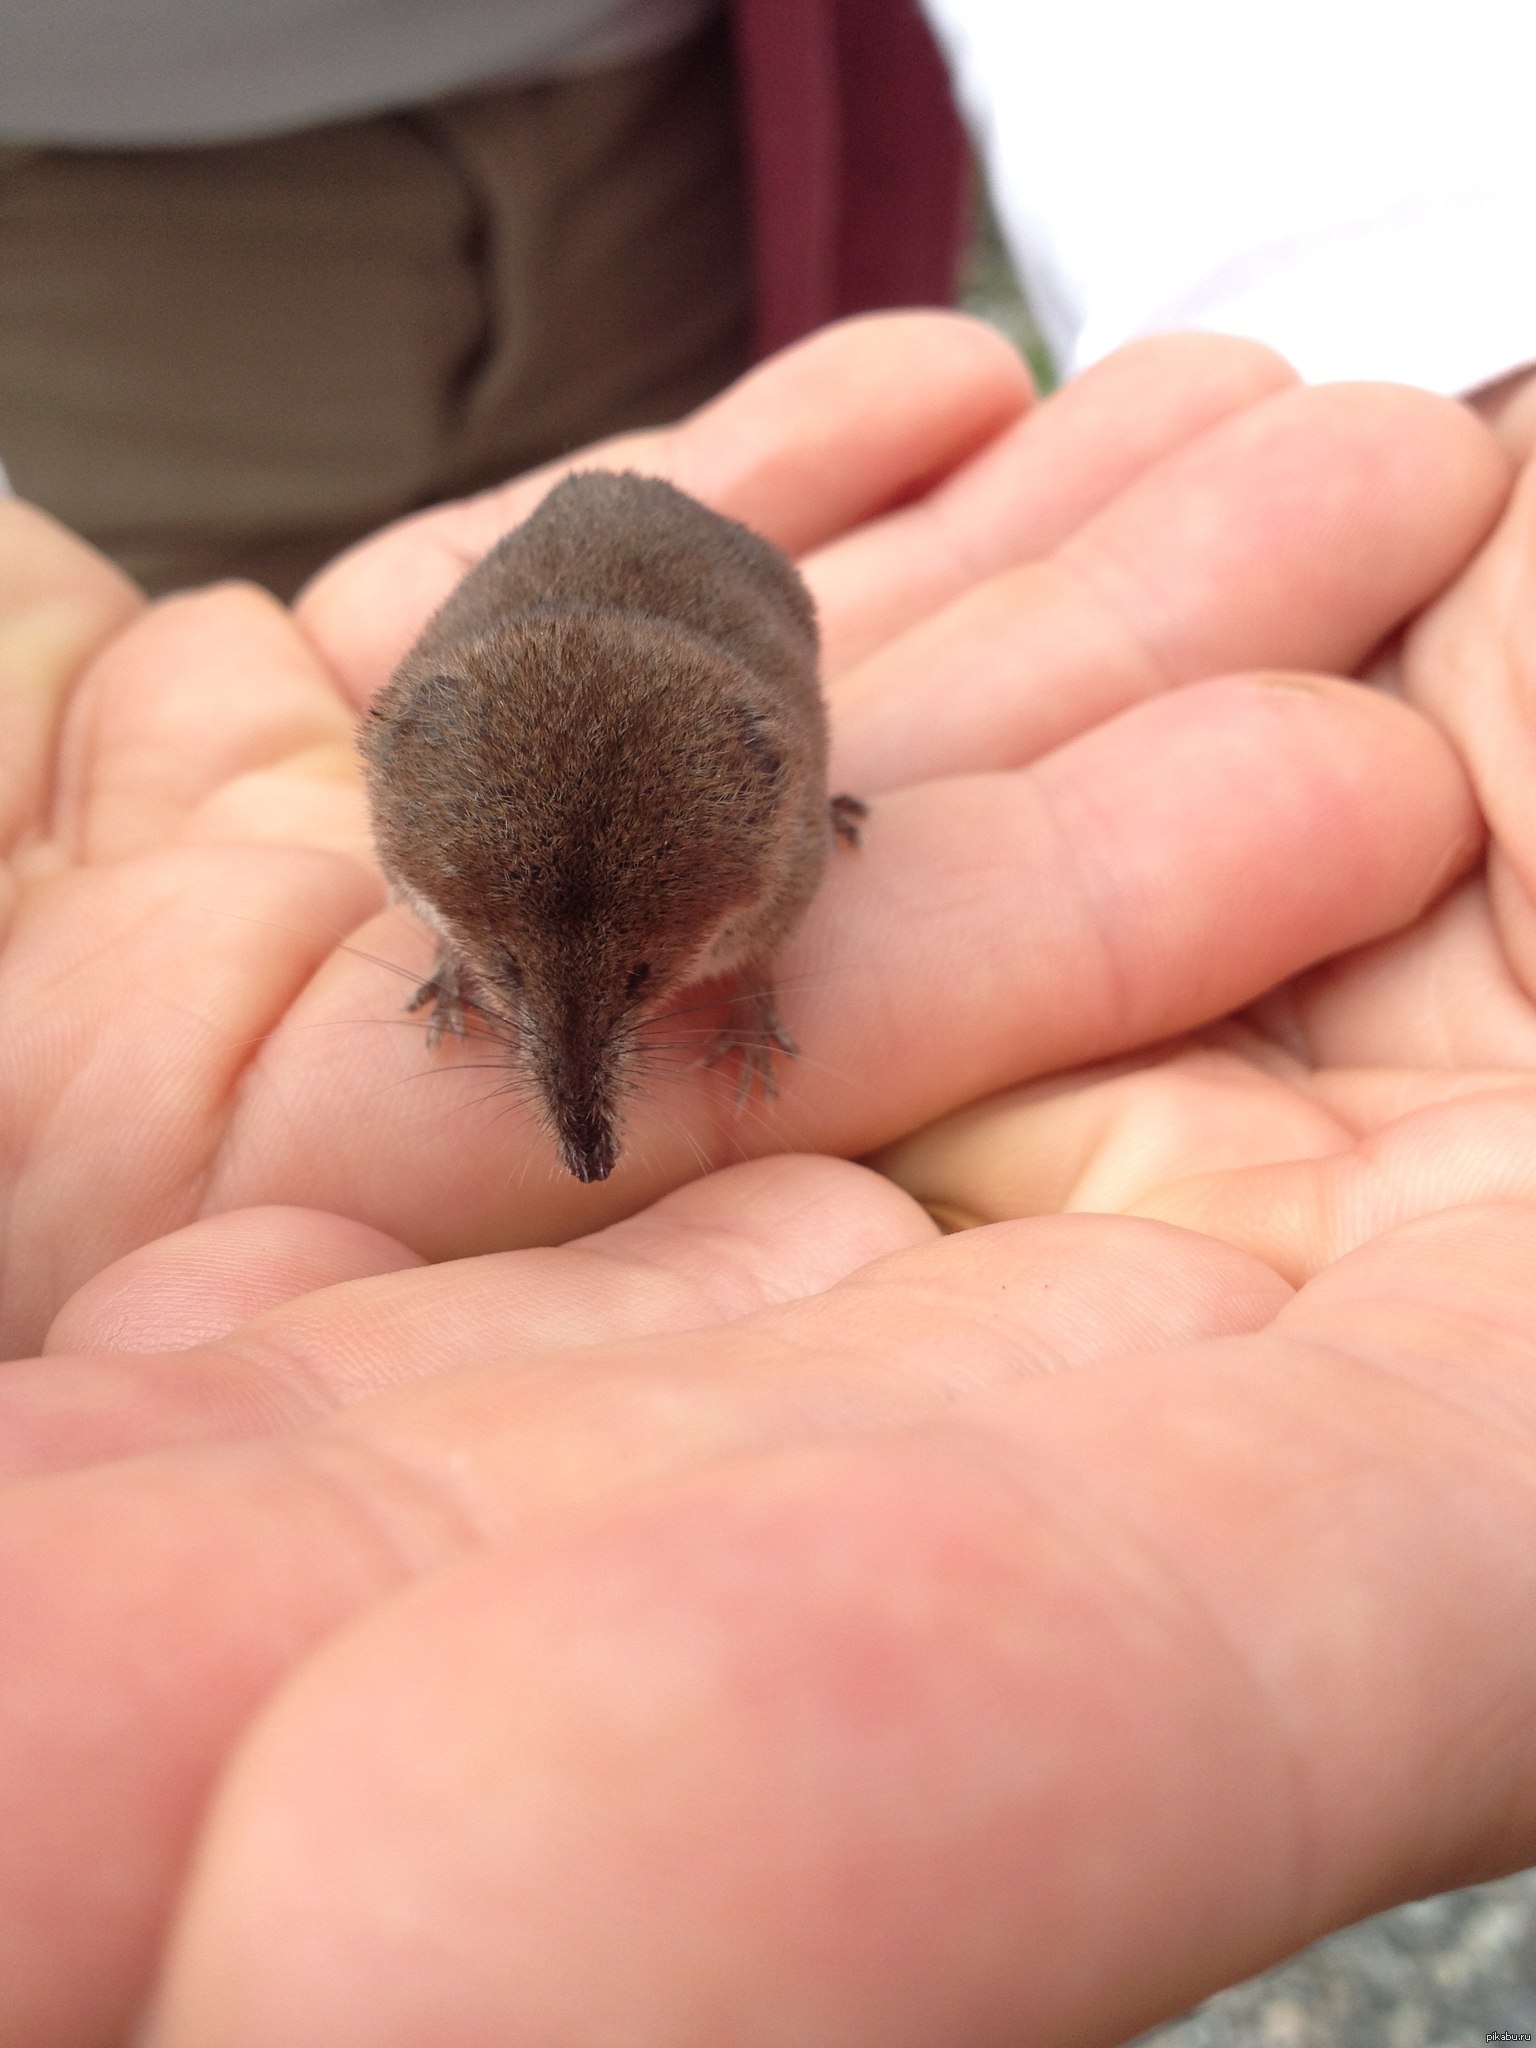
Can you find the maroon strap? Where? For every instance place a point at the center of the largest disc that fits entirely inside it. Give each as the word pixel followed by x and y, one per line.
pixel 856 161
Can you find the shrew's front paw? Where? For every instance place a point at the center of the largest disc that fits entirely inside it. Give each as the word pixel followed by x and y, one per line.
pixel 446 993
pixel 756 1033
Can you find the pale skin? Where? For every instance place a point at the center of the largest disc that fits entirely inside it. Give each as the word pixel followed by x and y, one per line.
pixel 760 1617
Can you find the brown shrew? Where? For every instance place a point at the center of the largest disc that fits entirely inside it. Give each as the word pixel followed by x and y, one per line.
pixel 600 776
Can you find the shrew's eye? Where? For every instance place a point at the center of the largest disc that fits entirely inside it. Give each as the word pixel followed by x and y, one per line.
pixel 639 975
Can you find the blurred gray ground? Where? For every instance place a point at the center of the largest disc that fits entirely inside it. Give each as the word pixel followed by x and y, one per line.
pixel 1444 1973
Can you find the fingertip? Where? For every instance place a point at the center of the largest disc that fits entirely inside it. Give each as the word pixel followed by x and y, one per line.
pixel 1409 772
pixel 806 1189
pixel 199 1283
pixel 774 1229
pixel 1379 782
pixel 1420 435
pixel 954 349
pixel 1235 361
pixel 1320 517
pixel 850 421
pixel 45 563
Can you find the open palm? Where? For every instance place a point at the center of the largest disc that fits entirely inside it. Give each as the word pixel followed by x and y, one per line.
pixel 745 1536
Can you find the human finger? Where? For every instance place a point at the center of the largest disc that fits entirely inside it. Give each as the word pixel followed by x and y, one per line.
pixel 1444 993
pixel 201 1282
pixel 1229 1136
pixel 1302 1215
pixel 174 718
pixel 826 434
pixel 1024 492
pixel 963 1732
pixel 244 1324
pixel 182 1588
pixel 1294 534
pixel 1468 663
pixel 1103 1139
pixel 136 998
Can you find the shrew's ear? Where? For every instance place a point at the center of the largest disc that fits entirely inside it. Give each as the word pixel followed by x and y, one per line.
pixel 406 708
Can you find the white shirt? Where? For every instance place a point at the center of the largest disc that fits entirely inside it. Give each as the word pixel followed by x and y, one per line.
pixel 1352 181
pixel 120 73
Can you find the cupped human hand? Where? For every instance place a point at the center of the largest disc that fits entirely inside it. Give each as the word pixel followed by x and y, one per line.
pixel 439 1491
pixel 1033 1717
pixel 1391 1082
pixel 766 1620
pixel 202 988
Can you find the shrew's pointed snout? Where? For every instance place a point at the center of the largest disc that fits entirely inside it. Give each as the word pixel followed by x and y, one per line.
pixel 579 1064
pixel 579 1095
pixel 591 1154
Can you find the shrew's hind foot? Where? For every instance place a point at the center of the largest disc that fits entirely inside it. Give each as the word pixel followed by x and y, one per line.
pixel 756 1033
pixel 445 992
pixel 848 813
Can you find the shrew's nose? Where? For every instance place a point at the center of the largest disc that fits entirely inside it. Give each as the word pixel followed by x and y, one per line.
pixel 589 1146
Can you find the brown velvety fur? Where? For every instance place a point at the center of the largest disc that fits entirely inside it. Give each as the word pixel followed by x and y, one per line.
pixel 600 774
